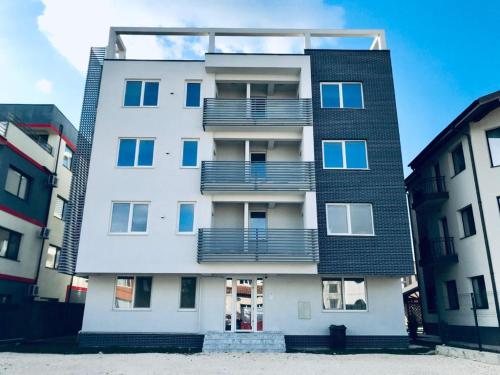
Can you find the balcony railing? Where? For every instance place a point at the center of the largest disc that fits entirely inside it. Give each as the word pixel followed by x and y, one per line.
pixel 430 191
pixel 3 128
pixel 257 245
pixel 257 176
pixel 257 112
pixel 439 250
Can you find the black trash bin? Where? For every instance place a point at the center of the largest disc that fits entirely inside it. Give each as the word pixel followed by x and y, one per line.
pixel 337 337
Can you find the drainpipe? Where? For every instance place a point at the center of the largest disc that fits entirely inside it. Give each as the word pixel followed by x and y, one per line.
pixel 483 225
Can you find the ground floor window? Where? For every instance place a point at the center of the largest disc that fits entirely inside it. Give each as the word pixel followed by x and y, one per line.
pixel 133 292
pixel 344 294
pixel 188 293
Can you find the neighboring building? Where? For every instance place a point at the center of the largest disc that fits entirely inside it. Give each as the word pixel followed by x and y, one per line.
pixel 35 176
pixel 241 193
pixel 455 201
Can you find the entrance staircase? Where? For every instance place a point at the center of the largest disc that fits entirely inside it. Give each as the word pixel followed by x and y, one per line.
pixel 262 342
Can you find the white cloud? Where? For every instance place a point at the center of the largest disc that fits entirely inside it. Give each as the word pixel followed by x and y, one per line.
pixel 74 26
pixel 44 85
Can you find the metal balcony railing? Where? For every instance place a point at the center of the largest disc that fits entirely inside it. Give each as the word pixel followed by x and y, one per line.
pixel 257 176
pixel 3 128
pixel 438 250
pixel 257 245
pixel 432 189
pixel 257 112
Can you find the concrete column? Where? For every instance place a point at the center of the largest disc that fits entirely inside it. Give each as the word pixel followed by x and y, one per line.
pixel 211 42
pixel 247 150
pixel 245 212
pixel 249 90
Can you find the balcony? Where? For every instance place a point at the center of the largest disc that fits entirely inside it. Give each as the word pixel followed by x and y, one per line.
pixel 430 193
pixel 231 114
pixel 438 251
pixel 257 245
pixel 240 176
pixel 3 128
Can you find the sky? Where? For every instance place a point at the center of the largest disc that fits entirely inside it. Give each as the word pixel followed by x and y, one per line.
pixel 445 53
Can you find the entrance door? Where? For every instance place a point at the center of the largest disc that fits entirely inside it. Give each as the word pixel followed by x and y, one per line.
pixel 244 305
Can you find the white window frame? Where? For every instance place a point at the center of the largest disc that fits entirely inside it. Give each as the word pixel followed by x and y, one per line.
pixel 179 203
pixel 136 153
pixel 133 295
pixel 343 309
pixel 349 225
pixel 130 215
pixel 185 92
pixel 344 154
pixel 195 308
pixel 197 153
pixel 66 148
pixel 22 177
pixel 65 202
pixel 341 94
pixel 56 256
pixel 141 102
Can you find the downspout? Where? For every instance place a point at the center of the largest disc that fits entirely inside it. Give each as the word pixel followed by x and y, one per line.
pixel 483 225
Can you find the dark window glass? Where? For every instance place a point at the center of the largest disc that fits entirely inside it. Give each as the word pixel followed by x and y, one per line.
pixel 479 291
pixel 9 243
pixel 332 155
pixel 142 296
pixel 146 150
pixel 126 153
pixel 458 159
pixel 355 154
pixel 188 293
pixel 193 90
pixel 351 95
pixel 133 94
pixel 151 93
pixel 468 221
pixel 494 146
pixel 330 96
pixel 451 291
pixel 190 154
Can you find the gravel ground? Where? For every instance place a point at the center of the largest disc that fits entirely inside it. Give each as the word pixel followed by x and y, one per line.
pixel 156 363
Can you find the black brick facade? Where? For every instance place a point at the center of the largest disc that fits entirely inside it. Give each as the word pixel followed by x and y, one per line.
pixel 389 251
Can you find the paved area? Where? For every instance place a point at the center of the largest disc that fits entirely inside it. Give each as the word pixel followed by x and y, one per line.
pixel 255 364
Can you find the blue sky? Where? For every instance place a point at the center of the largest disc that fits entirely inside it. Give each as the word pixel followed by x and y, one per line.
pixel 444 53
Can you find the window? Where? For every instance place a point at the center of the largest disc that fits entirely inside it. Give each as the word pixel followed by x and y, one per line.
pixel 344 155
pixel 141 94
pixel 193 94
pixel 186 218
pixel 10 242
pixel 60 208
pixel 341 95
pixel 493 137
pixel 17 183
pixel 468 225
pixel 129 217
pixel 133 292
pixel 451 292
pixel 135 152
pixel 479 292
pixel 349 219
pixel 344 294
pixel 68 157
pixel 189 153
pixel 188 293
pixel 52 260
pixel 457 155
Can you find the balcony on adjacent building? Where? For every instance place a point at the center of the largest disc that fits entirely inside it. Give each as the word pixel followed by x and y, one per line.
pixel 437 251
pixel 429 193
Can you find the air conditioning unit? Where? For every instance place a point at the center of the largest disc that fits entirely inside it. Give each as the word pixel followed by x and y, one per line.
pixel 33 290
pixel 44 233
pixel 53 180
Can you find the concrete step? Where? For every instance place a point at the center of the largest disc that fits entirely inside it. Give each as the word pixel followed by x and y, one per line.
pixel 262 342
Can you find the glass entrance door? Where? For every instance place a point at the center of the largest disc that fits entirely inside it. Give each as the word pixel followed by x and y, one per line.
pixel 244 305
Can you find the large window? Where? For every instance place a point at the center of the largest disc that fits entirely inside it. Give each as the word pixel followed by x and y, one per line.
pixel 10 242
pixel 188 293
pixel 341 95
pixel 17 183
pixel 60 208
pixel 68 157
pixel 494 146
pixel 193 94
pixel 344 155
pixel 52 260
pixel 479 291
pixel 128 217
pixel 452 293
pixel 468 224
pixel 457 156
pixel 133 292
pixel 189 153
pixel 135 152
pixel 344 294
pixel 186 218
pixel 141 93
pixel 349 219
